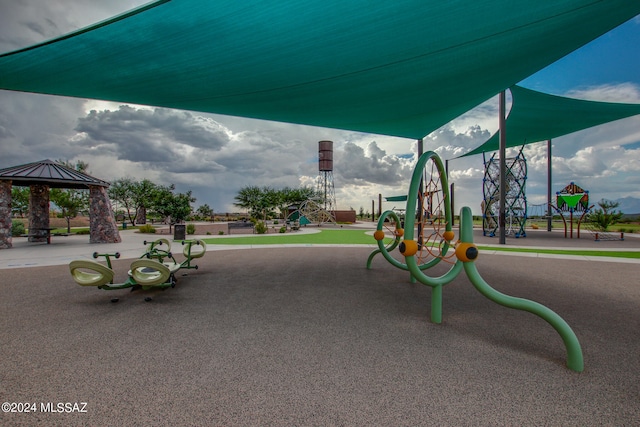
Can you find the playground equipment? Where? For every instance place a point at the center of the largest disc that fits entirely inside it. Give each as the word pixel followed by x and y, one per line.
pixel 570 199
pixel 310 212
pixel 515 199
pixel 155 269
pixel 144 274
pixel 429 220
pixel 193 249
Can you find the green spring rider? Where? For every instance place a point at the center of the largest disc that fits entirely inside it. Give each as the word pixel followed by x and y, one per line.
pixel 434 243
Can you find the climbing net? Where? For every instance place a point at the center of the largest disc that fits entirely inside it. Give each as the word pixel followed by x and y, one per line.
pixel 313 211
pixel 433 216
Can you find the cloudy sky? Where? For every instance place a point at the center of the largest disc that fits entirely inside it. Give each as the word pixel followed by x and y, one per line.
pixel 217 155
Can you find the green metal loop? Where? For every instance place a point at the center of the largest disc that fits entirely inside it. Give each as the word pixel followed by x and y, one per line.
pixel 386 249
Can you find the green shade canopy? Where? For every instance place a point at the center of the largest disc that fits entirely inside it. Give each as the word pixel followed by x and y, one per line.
pixel 539 116
pixel 396 198
pixel 401 68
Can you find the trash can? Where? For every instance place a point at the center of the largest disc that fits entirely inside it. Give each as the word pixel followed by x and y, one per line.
pixel 124 225
pixel 179 232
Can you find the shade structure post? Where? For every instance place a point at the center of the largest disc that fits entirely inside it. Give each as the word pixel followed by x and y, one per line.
pixel 503 167
pixel 549 213
pixel 420 196
pixel 453 204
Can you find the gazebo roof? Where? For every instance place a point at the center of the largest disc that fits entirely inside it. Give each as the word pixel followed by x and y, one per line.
pixel 47 172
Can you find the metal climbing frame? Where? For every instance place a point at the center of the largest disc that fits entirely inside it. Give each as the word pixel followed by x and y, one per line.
pixel 311 212
pixel 515 202
pixel 428 233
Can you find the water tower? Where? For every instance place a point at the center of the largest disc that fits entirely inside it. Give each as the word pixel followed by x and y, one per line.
pixel 325 187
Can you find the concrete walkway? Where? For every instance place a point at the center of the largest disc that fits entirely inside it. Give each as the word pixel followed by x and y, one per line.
pixel 64 249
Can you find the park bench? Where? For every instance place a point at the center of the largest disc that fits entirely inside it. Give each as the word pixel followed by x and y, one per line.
pixel 44 233
pixel 240 225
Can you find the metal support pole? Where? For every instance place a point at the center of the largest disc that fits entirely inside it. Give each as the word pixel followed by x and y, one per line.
pixel 446 172
pixel 503 168
pixel 549 213
pixel 453 205
pixel 420 197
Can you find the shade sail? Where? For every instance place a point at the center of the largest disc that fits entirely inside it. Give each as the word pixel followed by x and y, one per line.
pixel 396 198
pixel 537 116
pixel 400 68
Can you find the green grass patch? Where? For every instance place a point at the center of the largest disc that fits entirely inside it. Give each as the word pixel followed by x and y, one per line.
pixel 324 237
pixel 351 237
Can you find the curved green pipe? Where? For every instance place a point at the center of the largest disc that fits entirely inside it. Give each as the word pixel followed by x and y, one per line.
pixel 384 250
pixel 575 360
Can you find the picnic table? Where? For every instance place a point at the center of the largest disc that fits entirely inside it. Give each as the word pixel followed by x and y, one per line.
pixel 44 232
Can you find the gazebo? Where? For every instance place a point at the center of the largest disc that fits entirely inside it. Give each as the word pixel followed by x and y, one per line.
pixel 40 177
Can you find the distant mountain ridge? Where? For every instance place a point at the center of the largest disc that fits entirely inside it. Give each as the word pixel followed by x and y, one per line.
pixel 628 206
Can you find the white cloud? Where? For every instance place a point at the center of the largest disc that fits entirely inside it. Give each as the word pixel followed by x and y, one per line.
pixel 626 92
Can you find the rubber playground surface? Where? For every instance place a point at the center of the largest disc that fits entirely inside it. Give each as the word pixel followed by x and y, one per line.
pixel 307 335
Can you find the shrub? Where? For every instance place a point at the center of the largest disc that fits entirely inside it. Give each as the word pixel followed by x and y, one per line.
pixel 283 229
pixel 208 233
pixel 83 231
pixel 17 228
pixel 261 227
pixel 220 233
pixel 606 215
pixel 147 228
pixel 191 229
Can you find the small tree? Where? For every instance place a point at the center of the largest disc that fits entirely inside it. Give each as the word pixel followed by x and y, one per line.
pixel 168 204
pixel 122 191
pixel 134 196
pixel 71 201
pixel 605 215
pixel 205 211
pixel 19 201
pixel 249 198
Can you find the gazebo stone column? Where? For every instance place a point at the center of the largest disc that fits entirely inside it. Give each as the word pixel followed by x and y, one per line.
pixel 38 211
pixel 102 222
pixel 5 215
